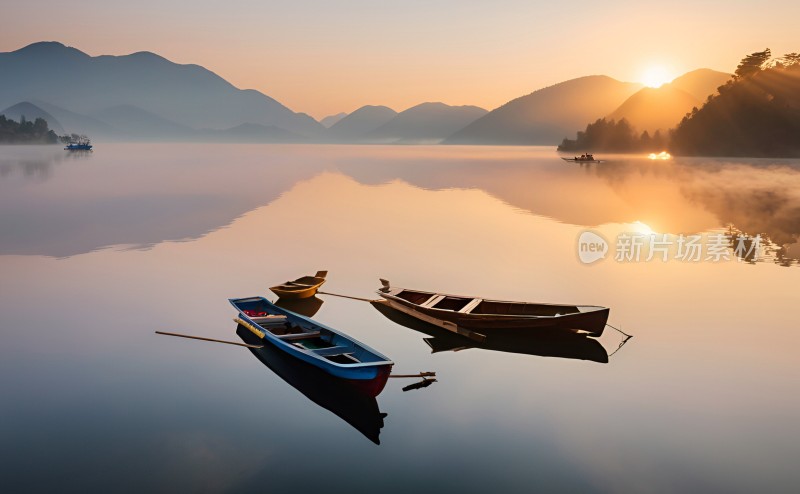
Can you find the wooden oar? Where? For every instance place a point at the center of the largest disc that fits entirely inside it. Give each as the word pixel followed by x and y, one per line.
pixel 421 374
pixel 208 339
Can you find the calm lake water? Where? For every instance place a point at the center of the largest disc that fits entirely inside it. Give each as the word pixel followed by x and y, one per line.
pixel 99 251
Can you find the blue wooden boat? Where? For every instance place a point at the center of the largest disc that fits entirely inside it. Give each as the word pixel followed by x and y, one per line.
pixel 319 345
pixel 79 145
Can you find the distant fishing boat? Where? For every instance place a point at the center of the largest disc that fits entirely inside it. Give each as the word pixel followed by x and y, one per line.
pixel 584 158
pixel 305 339
pixel 473 316
pixel 304 287
pixel 82 144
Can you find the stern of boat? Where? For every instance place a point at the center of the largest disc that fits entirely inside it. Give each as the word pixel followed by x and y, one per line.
pixel 373 387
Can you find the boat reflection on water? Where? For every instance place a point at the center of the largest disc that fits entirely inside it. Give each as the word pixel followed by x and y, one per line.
pixel 303 306
pixel 543 342
pixel 358 409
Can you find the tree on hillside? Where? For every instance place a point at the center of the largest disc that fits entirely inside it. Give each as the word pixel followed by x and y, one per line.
pixel 753 63
pixel 610 135
pixel 25 131
pixel 756 114
pixel 790 59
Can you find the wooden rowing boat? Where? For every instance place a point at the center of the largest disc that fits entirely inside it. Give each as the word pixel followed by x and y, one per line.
pixel 305 339
pixel 542 343
pixel 349 403
pixel 474 316
pixel 304 287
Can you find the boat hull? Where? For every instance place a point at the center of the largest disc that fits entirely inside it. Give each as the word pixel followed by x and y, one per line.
pixel 542 343
pixel 289 294
pixel 305 287
pixel 573 160
pixel 592 321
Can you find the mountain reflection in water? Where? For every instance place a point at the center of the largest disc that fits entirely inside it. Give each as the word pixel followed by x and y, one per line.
pixel 175 193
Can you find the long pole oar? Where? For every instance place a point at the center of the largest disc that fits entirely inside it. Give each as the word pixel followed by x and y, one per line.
pixel 208 339
pixel 346 296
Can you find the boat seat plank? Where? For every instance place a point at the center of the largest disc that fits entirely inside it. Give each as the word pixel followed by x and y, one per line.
pixel 435 298
pixel 334 350
pixel 298 336
pixel 268 319
pixel 468 308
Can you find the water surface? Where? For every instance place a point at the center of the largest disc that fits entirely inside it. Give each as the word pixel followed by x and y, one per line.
pixel 98 251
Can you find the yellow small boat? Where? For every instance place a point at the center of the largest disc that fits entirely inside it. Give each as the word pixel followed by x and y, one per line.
pixel 304 287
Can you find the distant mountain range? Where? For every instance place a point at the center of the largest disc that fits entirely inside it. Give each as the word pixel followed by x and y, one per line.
pixel 547 115
pixel 140 85
pixel 426 123
pixel 355 126
pixel 328 121
pixel 143 96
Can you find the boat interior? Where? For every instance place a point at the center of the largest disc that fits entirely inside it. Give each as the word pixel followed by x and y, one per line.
pixel 290 288
pixel 308 280
pixel 303 283
pixel 318 340
pixel 478 306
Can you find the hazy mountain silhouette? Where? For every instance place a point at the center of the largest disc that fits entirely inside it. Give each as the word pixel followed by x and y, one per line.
pixel 328 121
pixel 663 108
pixel 77 123
pixel 31 112
pixel 426 123
pixel 137 124
pixel 187 95
pixel 701 83
pixel 654 109
pixel 356 125
pixel 547 115
pixel 250 132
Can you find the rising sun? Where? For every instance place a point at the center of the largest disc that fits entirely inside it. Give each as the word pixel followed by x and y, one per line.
pixel 655 77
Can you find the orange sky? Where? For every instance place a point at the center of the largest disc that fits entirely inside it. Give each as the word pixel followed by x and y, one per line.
pixel 326 57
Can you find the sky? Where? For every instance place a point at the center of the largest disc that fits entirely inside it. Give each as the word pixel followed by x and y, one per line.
pixel 325 57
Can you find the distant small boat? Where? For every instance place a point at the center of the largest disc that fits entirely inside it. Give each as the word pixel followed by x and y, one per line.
pixel 81 145
pixel 473 316
pixel 307 340
pixel 304 287
pixel 582 160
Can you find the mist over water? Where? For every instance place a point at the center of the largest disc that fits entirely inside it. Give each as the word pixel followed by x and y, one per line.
pixel 98 251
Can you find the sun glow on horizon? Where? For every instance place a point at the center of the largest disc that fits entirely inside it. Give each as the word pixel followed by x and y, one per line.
pixel 656 76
